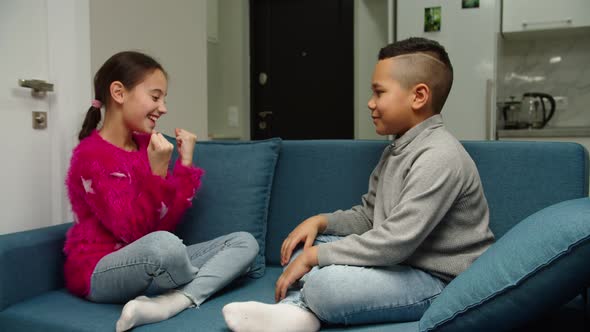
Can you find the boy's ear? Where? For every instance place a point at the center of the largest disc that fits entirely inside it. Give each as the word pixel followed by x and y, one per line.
pixel 421 96
pixel 117 90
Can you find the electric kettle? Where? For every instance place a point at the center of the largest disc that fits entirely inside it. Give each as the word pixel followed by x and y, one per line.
pixel 534 111
pixel 509 114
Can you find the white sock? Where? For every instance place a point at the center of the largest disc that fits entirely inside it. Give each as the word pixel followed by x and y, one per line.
pixel 262 317
pixel 144 310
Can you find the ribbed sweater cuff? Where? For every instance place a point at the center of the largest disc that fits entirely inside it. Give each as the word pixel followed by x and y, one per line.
pixel 332 221
pixel 324 255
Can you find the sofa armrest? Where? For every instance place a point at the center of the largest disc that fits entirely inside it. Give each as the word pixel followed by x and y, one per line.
pixel 31 263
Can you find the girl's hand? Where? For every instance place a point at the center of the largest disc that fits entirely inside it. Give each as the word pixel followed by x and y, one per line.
pixel 159 152
pixel 186 146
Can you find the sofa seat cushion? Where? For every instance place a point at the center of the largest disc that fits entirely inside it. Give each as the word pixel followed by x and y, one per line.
pixel 537 266
pixel 234 194
pixel 58 311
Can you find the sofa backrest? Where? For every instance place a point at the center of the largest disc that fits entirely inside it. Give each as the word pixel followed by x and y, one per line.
pixel 519 178
pixel 316 176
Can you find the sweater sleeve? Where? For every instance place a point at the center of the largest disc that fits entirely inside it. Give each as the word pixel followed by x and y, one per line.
pixel 186 181
pixel 133 205
pixel 429 190
pixel 359 218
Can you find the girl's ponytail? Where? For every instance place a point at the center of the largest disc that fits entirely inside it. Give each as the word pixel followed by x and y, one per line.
pixel 90 121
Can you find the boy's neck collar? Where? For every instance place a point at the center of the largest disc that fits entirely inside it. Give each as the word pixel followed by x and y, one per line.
pixel 408 136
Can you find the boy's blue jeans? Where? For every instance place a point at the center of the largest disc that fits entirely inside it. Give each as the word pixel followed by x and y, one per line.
pixel 159 261
pixel 342 294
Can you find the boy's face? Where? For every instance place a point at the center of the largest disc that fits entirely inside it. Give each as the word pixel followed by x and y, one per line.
pixel 390 103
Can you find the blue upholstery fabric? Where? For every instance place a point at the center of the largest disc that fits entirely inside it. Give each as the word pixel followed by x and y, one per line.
pixel 234 194
pixel 316 177
pixel 520 178
pixel 58 311
pixel 31 263
pixel 537 265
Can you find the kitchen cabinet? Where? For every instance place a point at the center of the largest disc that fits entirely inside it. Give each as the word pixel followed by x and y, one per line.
pixel 538 15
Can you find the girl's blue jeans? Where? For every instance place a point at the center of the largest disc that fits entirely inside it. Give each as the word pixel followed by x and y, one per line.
pixel 341 294
pixel 159 262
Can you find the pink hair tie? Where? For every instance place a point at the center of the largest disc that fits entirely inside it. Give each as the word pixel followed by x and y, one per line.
pixel 96 103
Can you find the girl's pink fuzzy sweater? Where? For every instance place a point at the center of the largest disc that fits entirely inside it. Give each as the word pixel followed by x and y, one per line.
pixel 116 200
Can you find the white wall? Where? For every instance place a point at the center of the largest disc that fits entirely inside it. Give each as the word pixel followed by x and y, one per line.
pixel 229 70
pixel 174 32
pixel 370 35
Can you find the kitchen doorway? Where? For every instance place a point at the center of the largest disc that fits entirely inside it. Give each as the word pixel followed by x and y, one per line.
pixel 302 69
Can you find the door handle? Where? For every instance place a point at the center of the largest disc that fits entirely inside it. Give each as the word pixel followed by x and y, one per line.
pixel 262 78
pixel 263 114
pixel 39 88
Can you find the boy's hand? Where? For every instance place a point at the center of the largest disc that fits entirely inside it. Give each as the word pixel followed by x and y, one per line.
pixel 185 141
pixel 306 232
pixel 297 269
pixel 159 152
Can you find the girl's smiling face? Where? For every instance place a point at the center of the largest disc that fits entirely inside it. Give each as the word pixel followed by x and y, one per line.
pixel 145 103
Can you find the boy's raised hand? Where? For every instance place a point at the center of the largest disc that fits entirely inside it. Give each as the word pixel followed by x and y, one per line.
pixel 185 142
pixel 159 152
pixel 306 232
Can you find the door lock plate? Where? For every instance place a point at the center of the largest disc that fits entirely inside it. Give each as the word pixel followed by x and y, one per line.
pixel 39 120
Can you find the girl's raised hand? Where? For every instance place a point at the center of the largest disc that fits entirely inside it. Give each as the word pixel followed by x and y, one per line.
pixel 185 141
pixel 159 152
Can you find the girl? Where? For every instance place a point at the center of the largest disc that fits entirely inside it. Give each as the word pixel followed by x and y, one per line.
pixel 126 204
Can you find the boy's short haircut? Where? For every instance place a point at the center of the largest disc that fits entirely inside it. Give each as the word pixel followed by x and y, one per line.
pixel 430 66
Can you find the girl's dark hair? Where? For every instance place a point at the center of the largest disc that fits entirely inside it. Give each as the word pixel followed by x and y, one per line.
pixel 129 68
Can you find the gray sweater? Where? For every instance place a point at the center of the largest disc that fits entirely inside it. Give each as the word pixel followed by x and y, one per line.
pixel 425 208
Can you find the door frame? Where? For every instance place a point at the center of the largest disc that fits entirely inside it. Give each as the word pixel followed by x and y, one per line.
pixel 68 37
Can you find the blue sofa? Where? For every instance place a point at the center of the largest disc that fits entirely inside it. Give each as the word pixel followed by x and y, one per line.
pixel 534 276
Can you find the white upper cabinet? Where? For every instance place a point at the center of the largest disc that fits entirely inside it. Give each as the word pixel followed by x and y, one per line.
pixel 537 15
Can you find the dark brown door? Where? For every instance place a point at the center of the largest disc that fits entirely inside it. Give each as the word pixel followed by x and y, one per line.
pixel 302 69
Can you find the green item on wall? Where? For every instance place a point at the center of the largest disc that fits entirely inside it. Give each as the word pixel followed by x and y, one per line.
pixel 432 19
pixel 469 4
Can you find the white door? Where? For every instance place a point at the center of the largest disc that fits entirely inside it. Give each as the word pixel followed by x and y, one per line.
pixel 34 161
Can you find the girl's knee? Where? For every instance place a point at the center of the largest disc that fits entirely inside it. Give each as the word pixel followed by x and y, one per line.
pixel 245 241
pixel 161 237
pixel 164 245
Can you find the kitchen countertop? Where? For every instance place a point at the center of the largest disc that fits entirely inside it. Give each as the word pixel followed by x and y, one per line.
pixel 546 132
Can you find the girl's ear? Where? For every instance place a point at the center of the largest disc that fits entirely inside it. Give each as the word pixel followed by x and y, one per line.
pixel 117 90
pixel 421 94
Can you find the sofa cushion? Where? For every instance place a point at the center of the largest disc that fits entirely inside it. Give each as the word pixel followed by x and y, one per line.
pixel 234 193
pixel 538 265
pixel 59 311
pixel 316 177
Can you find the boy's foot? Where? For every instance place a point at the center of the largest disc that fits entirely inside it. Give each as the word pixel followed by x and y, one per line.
pixel 144 310
pixel 262 317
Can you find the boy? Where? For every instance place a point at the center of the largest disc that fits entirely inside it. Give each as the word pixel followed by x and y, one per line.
pixel 423 221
